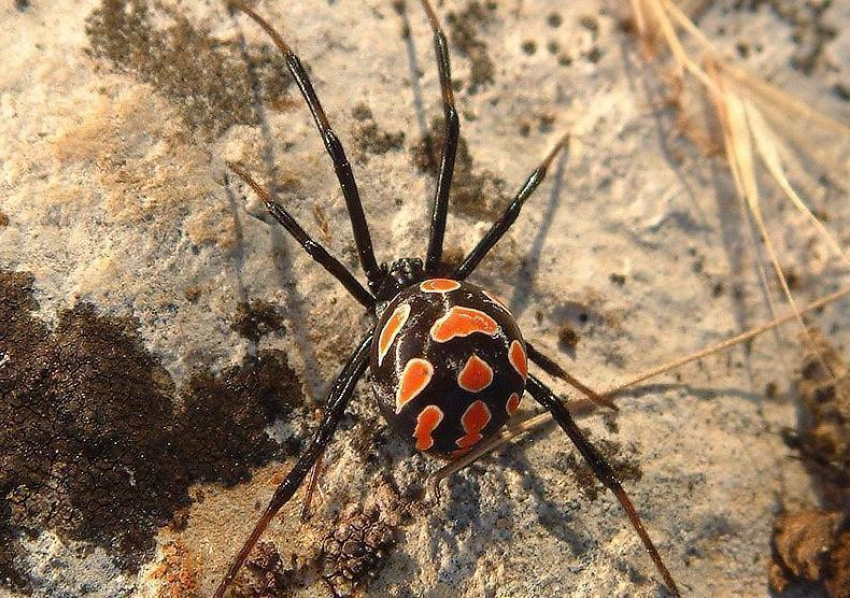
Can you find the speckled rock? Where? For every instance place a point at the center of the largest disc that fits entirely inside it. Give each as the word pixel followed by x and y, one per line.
pixel 116 119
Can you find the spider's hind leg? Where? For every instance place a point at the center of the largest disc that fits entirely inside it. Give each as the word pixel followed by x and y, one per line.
pixel 551 367
pixel 601 469
pixel 338 399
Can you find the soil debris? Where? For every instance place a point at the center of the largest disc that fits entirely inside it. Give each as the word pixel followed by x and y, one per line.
pixel 824 390
pixel 811 547
pixel 178 571
pixel 625 466
pixel 370 138
pixel 269 578
pixel 811 555
pixel 354 550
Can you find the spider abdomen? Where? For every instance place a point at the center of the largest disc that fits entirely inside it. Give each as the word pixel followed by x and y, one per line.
pixel 448 365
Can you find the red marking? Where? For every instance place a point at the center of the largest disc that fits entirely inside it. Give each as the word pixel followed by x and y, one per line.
pixel 426 422
pixel 513 403
pixel 516 355
pixel 439 285
pixel 391 329
pixel 474 419
pixel 476 375
pixel 461 322
pixel 415 377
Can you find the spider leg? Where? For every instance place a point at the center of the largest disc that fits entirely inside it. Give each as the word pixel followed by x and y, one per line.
pixel 362 238
pixel 338 399
pixel 548 365
pixel 601 469
pixel 312 484
pixel 447 163
pixel 503 224
pixel 313 248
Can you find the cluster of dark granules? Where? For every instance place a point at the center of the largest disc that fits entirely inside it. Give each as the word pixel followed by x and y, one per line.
pixel 824 435
pixel 96 442
pixel 811 548
pixel 465 29
pixel 627 469
pixel 354 550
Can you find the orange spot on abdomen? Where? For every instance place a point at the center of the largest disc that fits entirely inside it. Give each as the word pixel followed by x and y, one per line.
pixel 516 355
pixel 475 418
pixel 476 375
pixel 391 330
pixel 426 422
pixel 461 322
pixel 415 377
pixel 439 285
pixel 513 403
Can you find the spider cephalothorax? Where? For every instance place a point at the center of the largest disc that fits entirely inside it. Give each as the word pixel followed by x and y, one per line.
pixel 448 365
pixel 401 274
pixel 448 360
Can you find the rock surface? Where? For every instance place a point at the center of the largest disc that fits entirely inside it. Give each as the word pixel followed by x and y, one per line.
pixel 116 119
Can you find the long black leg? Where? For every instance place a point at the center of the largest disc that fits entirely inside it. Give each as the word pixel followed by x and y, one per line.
pixel 447 163
pixel 551 367
pixel 312 247
pixel 501 226
pixel 601 469
pixel 338 399
pixel 332 145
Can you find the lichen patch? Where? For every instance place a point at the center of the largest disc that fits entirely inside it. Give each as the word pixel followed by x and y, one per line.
pixel 100 445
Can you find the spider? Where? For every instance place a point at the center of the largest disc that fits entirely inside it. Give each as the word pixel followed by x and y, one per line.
pixel 448 362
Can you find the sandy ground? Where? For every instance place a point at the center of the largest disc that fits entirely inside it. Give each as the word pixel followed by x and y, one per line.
pixel 112 192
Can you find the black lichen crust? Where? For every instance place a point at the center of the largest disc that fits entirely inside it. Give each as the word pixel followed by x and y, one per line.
pixel 95 443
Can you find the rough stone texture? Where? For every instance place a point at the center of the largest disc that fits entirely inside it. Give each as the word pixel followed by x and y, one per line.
pixel 112 195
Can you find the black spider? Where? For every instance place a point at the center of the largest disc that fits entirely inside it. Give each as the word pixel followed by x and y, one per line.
pixel 449 361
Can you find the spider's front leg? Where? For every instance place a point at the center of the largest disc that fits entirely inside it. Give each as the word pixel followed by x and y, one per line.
pixel 504 223
pixel 601 469
pixel 338 399
pixel 447 162
pixel 333 146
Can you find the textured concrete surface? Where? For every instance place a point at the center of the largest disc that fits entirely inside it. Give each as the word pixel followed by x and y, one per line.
pixel 116 122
